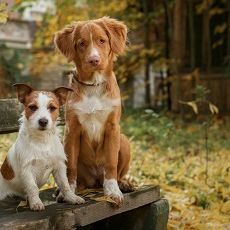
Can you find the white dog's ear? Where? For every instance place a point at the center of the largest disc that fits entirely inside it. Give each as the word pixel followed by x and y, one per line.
pixel 65 40
pixel 23 91
pixel 117 33
pixel 62 93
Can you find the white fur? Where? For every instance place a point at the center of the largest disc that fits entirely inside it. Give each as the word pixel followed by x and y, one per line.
pixel 93 111
pixel 34 156
pixel 94 52
pixel 111 188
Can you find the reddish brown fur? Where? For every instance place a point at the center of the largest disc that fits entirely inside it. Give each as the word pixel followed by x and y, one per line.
pixel 7 171
pixel 86 159
pixel 113 33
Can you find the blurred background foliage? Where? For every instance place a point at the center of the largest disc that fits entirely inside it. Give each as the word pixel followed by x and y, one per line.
pixel 169 41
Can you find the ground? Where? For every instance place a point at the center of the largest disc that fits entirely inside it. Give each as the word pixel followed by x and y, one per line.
pixel 189 157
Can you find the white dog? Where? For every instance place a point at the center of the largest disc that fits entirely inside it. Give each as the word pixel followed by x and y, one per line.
pixel 38 151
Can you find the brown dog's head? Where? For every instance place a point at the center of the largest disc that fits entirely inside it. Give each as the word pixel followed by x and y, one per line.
pixel 92 44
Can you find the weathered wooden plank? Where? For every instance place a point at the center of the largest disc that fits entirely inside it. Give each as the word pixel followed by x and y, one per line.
pixel 10 112
pixel 160 213
pixel 64 216
pixel 152 216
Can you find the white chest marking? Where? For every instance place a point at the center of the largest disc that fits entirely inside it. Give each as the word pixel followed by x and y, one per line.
pixel 93 112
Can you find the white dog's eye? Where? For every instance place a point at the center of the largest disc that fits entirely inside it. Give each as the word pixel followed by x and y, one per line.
pixel 52 108
pixel 33 108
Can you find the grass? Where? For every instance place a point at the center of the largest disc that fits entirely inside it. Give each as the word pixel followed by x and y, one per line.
pixel 171 152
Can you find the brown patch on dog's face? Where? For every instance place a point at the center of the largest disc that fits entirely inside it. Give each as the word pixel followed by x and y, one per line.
pixel 23 91
pixel 92 44
pixel 31 104
pixel 53 106
pixel 7 171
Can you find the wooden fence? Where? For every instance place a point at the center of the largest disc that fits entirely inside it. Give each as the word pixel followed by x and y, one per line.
pixel 217 84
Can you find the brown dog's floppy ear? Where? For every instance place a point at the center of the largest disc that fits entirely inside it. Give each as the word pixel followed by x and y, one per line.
pixel 61 93
pixel 64 40
pixel 23 91
pixel 117 33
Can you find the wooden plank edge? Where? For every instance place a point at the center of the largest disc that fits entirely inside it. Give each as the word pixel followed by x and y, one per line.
pixel 64 216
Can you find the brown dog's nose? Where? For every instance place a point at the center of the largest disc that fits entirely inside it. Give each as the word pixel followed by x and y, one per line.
pixel 94 60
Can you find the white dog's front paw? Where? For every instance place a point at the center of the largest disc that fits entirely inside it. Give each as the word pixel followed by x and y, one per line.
pixel 73 187
pixel 111 189
pixel 36 204
pixel 71 198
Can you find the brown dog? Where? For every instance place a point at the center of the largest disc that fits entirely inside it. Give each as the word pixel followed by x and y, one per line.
pixel 98 154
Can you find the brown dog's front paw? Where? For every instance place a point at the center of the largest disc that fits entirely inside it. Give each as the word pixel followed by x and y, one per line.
pixel 126 186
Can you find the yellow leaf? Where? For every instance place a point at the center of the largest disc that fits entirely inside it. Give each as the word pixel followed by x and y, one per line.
pixel 104 198
pixel 191 104
pixel 226 207
pixel 23 203
pixel 213 109
pixel 88 191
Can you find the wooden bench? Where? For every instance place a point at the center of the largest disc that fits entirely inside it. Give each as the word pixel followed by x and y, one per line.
pixel 142 209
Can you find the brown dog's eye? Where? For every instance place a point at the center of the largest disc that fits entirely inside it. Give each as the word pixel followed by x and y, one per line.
pixel 102 41
pixel 52 108
pixel 33 108
pixel 82 44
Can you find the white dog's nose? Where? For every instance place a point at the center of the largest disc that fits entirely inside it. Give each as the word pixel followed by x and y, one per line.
pixel 43 122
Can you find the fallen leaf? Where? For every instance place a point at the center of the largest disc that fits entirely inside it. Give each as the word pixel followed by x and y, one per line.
pixel 23 203
pixel 104 198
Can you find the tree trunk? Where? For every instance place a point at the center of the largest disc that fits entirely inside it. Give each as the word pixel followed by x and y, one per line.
pixel 206 52
pixel 228 36
pixel 178 41
pixel 179 33
pixel 192 36
pixel 147 47
pixel 167 45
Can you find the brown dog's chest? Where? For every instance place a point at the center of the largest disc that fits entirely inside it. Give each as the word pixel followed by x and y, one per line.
pixel 93 112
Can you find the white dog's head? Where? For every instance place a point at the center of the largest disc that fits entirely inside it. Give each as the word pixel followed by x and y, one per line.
pixel 41 108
